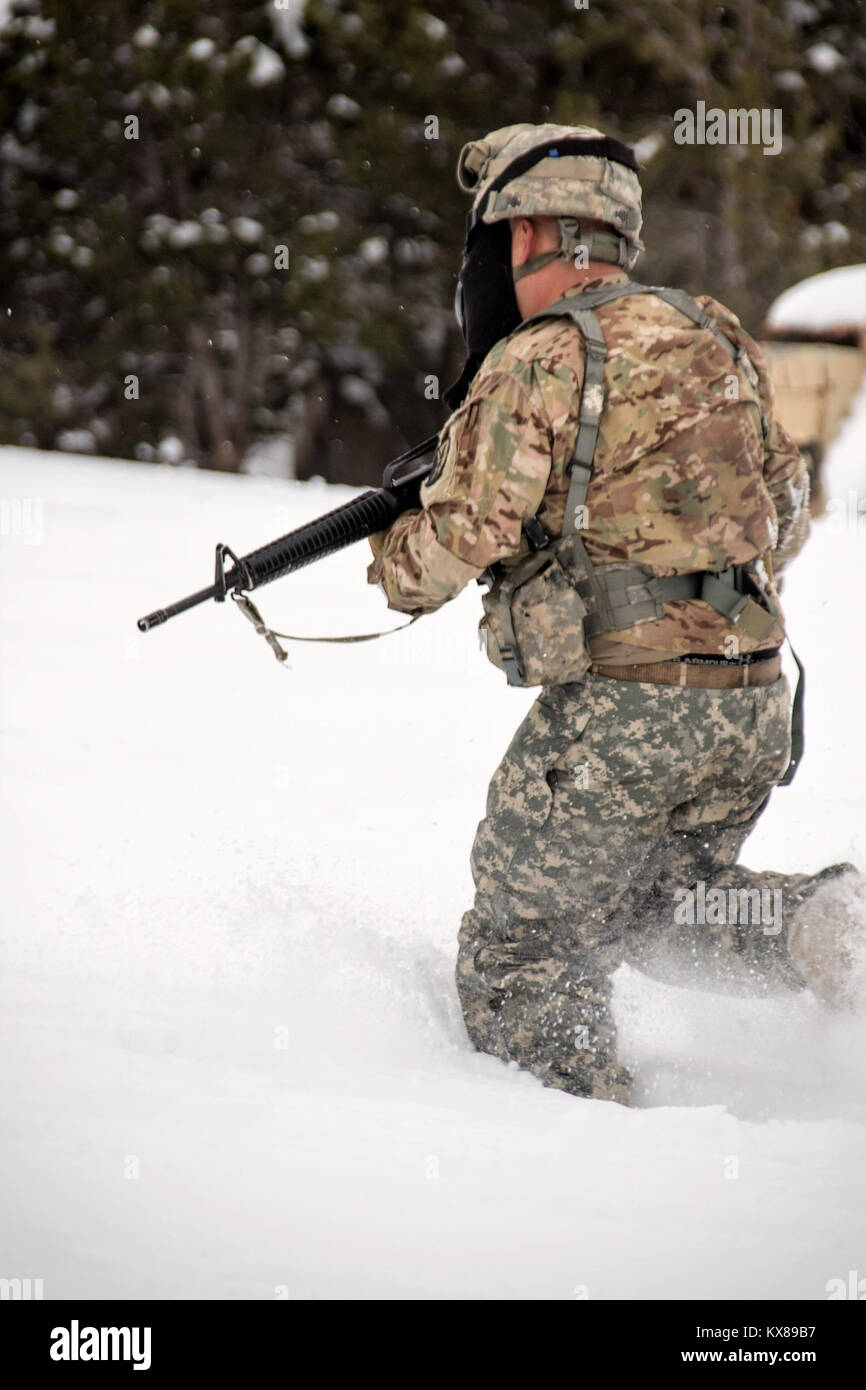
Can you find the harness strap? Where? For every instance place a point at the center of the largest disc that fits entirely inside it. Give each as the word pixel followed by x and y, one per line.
pixel 592 395
pixel 632 594
pixel 578 485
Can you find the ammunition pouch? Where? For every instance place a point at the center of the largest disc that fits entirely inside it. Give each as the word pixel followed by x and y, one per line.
pixel 540 614
pixel 534 617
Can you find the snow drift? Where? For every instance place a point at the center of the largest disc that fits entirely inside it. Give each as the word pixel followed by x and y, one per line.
pixel 233 1063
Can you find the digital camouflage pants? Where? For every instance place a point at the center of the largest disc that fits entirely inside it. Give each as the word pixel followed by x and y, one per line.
pixel 617 808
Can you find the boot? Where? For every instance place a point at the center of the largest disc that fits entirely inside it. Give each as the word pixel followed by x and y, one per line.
pixel 827 938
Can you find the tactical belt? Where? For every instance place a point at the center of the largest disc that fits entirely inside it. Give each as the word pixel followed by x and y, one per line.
pixel 618 596
pixel 744 659
pixel 707 676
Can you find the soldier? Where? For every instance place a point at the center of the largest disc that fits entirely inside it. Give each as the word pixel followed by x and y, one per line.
pixel 614 473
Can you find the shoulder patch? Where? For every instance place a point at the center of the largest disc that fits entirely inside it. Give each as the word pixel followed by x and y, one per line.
pixel 438 460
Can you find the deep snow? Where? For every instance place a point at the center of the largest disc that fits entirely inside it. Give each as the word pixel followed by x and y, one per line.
pixel 233 1063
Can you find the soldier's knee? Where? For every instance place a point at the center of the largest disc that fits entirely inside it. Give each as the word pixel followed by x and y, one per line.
pixel 538 1000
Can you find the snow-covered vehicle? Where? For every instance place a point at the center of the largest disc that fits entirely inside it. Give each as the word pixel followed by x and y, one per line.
pixel 814 338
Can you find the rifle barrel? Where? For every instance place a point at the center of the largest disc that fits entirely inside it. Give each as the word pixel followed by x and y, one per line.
pixel 362 516
pixel 162 615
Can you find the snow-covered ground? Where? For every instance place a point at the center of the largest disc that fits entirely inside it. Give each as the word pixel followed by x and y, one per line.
pixel 232 1059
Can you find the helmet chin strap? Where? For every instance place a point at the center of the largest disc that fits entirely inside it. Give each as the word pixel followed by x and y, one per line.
pixel 598 245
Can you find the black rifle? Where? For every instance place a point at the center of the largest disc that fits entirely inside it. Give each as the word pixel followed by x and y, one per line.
pixel 363 516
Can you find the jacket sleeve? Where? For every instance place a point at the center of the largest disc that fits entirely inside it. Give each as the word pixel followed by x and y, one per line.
pixel 489 476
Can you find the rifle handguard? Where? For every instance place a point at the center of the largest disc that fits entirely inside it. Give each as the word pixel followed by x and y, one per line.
pixel 353 521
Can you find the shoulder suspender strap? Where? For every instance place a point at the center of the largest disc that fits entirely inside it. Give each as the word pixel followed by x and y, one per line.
pixel 592 395
pixel 579 309
pixel 678 299
pixel 579 476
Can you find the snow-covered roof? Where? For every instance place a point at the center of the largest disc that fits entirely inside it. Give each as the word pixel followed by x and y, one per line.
pixel 824 303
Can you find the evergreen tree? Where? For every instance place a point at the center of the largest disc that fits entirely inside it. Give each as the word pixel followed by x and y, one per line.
pixel 237 223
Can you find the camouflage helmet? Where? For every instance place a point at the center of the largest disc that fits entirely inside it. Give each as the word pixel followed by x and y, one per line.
pixel 567 172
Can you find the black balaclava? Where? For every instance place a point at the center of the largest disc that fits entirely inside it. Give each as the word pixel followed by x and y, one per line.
pixel 485 303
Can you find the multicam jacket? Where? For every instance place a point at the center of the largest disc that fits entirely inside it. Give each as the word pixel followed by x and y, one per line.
pixel 683 479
